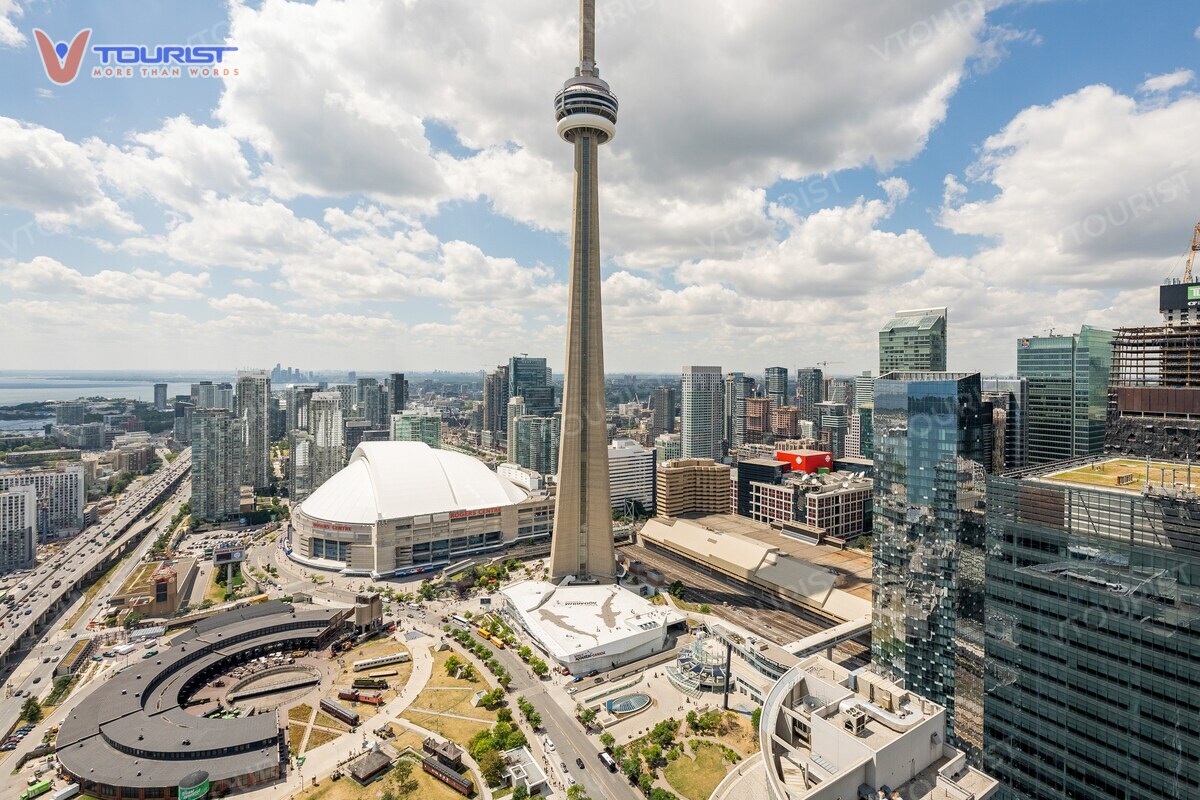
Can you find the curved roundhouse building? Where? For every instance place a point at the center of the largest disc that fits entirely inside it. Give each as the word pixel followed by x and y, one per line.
pixel 132 738
pixel 400 508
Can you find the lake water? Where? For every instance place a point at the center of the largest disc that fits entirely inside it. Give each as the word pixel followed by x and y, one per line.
pixel 14 390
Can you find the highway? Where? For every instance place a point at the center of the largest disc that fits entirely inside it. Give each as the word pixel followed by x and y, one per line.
pixel 39 595
pixel 35 674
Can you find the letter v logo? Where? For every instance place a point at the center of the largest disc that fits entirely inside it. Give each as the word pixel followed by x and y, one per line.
pixel 62 62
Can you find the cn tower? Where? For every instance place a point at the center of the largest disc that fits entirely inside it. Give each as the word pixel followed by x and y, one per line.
pixel 582 545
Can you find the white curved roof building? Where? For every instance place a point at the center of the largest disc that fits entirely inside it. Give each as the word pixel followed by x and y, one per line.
pixel 403 507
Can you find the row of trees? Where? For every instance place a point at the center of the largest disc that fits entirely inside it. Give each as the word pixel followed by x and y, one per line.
pixel 539 667
pixel 483 653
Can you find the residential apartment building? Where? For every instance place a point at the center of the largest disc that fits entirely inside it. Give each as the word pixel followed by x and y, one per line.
pixel 253 392
pixel 631 470
pixel 702 413
pixel 692 485
pixel 60 496
pixel 218 443
pixel 18 526
pixel 775 386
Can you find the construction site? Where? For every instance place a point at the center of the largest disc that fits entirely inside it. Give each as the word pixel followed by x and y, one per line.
pixel 1154 386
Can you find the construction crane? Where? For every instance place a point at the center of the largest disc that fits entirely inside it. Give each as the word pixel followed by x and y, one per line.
pixel 1187 271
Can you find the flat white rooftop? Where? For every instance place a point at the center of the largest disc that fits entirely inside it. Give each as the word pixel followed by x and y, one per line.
pixel 576 622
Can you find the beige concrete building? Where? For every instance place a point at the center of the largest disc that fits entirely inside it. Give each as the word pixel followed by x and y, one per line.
pixel 692 486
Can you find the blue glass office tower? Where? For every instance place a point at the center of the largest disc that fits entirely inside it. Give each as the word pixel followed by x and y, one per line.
pixel 930 444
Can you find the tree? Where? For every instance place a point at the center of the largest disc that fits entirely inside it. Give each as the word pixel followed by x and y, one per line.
pixel 653 754
pixel 577 792
pixel 132 619
pixel 677 590
pixel 504 715
pixel 534 719
pixel 661 794
pixel 692 717
pixel 608 740
pixel 466 672
pixel 491 766
pixel 755 716
pixel 525 653
pixel 539 668
pixel 632 767
pixel 645 782
pixel 402 776
pixel 452 664
pixel 31 711
pixel 426 591
pixel 520 793
pixel 587 716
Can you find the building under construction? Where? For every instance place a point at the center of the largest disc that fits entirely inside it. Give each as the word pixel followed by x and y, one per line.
pixel 1154 398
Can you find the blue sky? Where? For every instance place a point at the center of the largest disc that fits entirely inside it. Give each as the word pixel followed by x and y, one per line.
pixel 380 187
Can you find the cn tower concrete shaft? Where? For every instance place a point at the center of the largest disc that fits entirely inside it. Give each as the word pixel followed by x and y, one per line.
pixel 582 545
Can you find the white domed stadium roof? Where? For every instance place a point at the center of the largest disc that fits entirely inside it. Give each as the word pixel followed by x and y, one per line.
pixel 393 480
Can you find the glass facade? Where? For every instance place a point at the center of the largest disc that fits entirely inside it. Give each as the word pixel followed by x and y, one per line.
pixel 914 340
pixel 1093 640
pixel 1068 393
pixel 927 623
pixel 528 378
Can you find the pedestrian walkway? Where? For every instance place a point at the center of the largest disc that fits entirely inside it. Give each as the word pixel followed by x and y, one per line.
pixel 325 759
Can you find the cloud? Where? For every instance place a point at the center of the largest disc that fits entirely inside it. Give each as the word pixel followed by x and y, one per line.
pixel 44 173
pixel 177 165
pixel 9 35
pixel 1076 203
pixel 47 277
pixel 1160 84
pixel 666 184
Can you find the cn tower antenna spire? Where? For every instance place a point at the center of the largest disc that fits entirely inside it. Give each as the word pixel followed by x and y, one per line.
pixel 582 543
pixel 587 36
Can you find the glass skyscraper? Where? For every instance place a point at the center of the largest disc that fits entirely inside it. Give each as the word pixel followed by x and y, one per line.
pixel 527 378
pixel 1068 392
pixel 1093 632
pixel 775 384
pixel 914 340
pixel 927 621
pixel 810 390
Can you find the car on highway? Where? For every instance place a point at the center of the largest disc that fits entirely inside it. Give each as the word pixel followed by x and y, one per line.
pixel 563 766
pixel 579 763
pixel 38 679
pixel 549 745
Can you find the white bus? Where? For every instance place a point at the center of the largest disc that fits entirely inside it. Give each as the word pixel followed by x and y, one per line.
pixel 461 622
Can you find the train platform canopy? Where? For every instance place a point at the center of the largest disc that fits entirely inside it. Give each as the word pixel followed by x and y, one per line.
pixel 833 580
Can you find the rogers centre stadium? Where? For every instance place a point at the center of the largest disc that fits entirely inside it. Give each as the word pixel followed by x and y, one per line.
pixel 402 508
pixel 132 738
